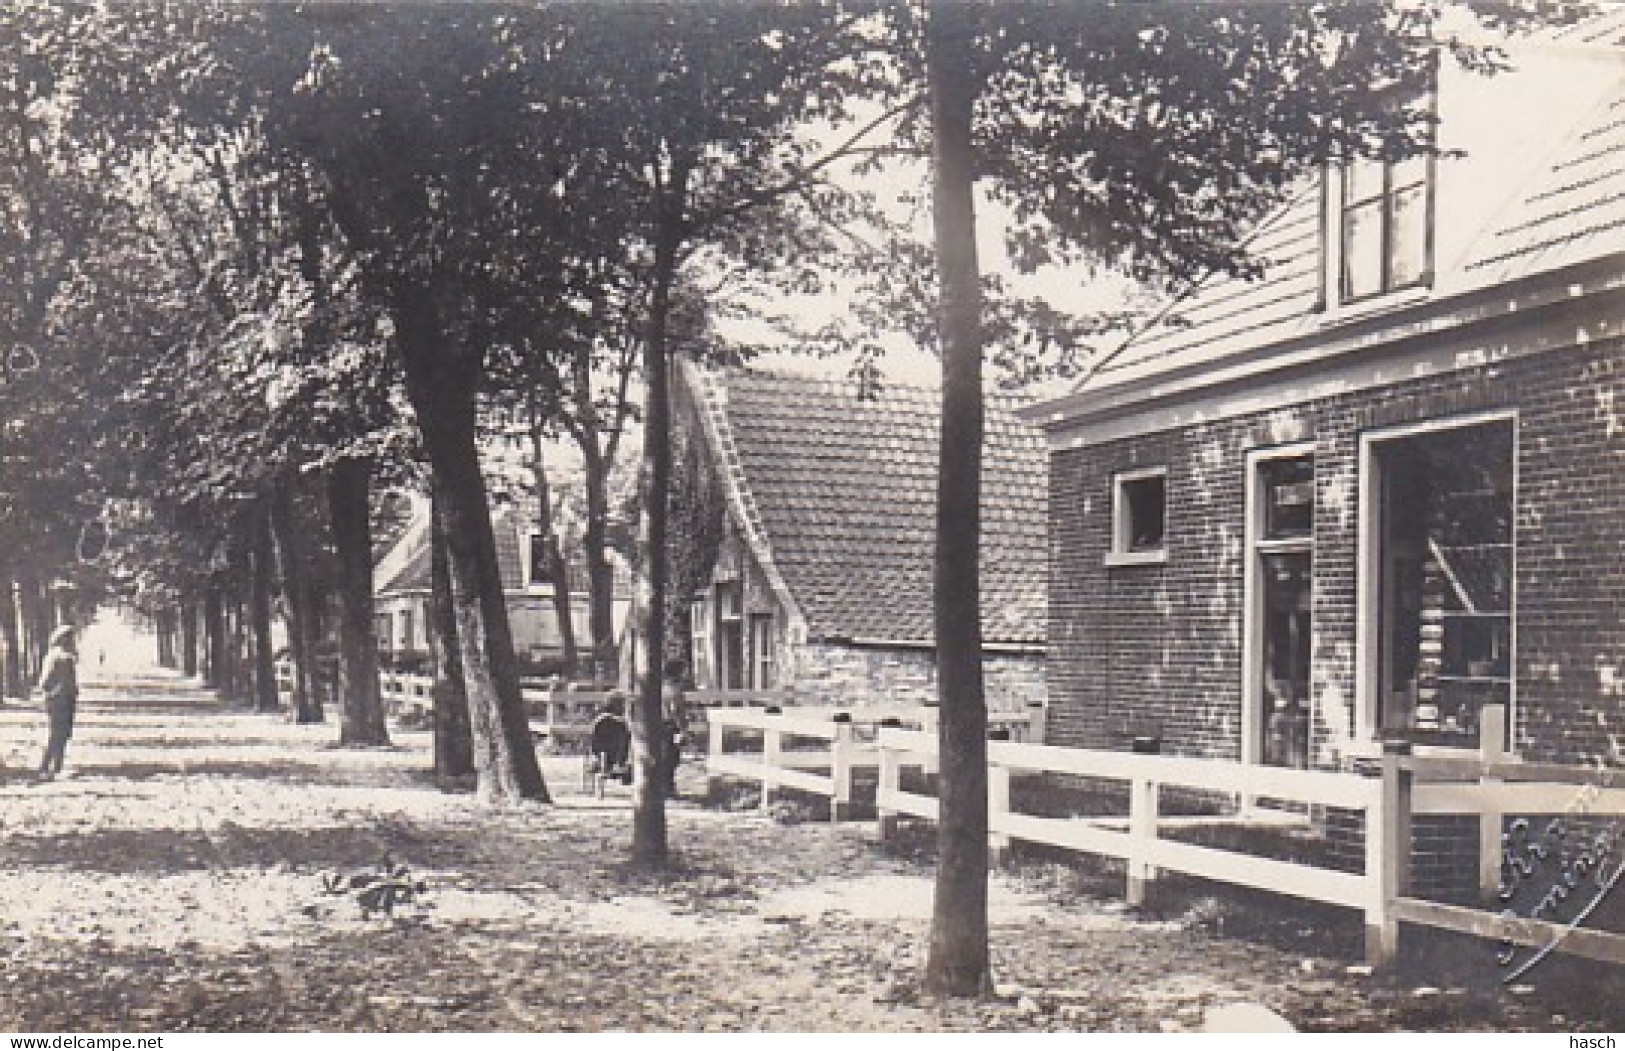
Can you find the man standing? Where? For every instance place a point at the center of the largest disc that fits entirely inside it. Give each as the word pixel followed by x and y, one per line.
pixel 59 682
pixel 675 702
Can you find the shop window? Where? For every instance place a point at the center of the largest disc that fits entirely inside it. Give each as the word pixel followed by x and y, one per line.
pixel 1140 514
pixel 1445 579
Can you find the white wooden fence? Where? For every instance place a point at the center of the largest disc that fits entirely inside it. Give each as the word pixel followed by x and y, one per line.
pixel 817 749
pixel 564 715
pixel 1136 839
pixel 807 750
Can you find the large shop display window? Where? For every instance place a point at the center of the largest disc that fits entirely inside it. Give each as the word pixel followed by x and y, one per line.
pixel 1445 564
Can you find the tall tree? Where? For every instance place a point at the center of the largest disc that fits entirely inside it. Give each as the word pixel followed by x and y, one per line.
pixel 1145 137
pixel 706 131
pixel 958 953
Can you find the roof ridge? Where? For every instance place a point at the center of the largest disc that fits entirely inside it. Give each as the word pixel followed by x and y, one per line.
pixel 990 395
pixel 711 403
pixel 827 381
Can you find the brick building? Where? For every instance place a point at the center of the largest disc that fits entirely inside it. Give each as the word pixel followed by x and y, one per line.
pixel 1379 489
pixel 806 524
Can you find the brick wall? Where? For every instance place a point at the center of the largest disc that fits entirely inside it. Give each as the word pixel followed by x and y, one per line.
pixel 851 675
pixel 1159 647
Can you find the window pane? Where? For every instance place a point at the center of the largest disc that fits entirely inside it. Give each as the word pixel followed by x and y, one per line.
pixel 1362 251
pixel 1289 497
pixel 1363 181
pixel 1144 502
pixel 1285 614
pixel 1413 171
pixel 1407 246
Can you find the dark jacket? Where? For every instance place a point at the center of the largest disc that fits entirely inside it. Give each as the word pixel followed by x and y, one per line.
pixel 59 682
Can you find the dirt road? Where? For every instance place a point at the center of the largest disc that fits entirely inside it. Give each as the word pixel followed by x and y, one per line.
pixel 177 880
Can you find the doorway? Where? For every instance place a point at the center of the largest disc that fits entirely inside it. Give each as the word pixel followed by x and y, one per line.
pixel 1280 608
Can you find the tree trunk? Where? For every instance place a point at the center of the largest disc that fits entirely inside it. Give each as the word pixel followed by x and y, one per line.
pixel 649 846
pixel 600 571
pixel 957 963
pixel 453 737
pixel 558 570
pixel 361 703
pixel 165 622
pixel 36 611
pixel 11 675
pixel 214 637
pixel 441 385
pixel 189 654
pixel 263 580
pixel 296 587
pixel 42 622
pixel 237 612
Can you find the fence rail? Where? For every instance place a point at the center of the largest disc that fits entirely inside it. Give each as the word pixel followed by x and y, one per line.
pixel 813 752
pixel 819 749
pixel 1138 842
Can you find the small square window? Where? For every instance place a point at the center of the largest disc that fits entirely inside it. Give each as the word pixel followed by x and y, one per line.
pixel 1140 512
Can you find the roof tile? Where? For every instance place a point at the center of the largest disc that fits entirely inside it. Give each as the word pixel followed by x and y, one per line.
pixel 846 491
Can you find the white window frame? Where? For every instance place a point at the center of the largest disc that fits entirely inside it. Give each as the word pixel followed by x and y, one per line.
pixel 1334 182
pixel 761 650
pixel 1368 581
pixel 699 633
pixel 1120 553
pixel 1252 628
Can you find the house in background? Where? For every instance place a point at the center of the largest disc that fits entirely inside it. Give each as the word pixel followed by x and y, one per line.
pixel 806 523
pixel 1380 491
pixel 402 585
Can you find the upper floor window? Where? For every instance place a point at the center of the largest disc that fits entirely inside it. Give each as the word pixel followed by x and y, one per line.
pixel 1386 226
pixel 1378 214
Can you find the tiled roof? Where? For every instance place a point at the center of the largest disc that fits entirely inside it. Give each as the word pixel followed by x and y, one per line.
pixel 1544 193
pixel 845 491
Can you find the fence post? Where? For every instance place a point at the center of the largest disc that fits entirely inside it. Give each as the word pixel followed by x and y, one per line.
pixel 1142 829
pixel 714 727
pixel 1387 854
pixel 930 717
pixel 1492 747
pixel 998 804
pixel 1035 724
pixel 840 772
pixel 890 781
pixel 772 754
